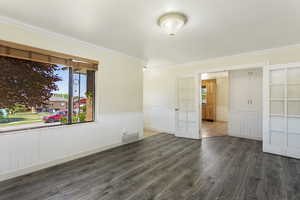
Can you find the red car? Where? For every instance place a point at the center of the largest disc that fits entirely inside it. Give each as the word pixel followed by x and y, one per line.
pixel 55 117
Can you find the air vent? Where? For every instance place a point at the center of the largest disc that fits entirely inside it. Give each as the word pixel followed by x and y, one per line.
pixel 128 138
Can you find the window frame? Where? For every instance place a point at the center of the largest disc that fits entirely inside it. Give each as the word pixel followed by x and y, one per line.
pixel 70 105
pixel 70 99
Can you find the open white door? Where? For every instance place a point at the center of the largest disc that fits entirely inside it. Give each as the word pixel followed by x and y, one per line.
pixel 282 109
pixel 187 111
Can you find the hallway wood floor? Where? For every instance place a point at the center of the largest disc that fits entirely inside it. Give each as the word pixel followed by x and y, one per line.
pixel 213 129
pixel 164 167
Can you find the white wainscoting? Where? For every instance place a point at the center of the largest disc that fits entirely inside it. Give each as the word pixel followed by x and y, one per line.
pixel 249 127
pixel 27 151
pixel 159 118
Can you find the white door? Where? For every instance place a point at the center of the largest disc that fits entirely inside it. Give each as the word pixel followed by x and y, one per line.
pixel 282 109
pixel 187 111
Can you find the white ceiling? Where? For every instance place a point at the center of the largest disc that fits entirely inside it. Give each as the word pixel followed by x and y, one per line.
pixel 215 28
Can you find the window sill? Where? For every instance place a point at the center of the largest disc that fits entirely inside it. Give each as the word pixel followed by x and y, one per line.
pixel 60 126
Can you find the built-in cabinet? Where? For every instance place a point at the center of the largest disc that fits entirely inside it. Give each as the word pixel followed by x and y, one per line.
pixel 245 103
pixel 209 92
pixel 282 109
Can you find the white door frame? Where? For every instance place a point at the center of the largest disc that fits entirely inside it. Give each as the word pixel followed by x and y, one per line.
pixel 261 65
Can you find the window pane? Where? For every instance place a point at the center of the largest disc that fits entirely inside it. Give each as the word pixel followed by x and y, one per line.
pixel 293 75
pixel 293 91
pixel 32 94
pixel 293 107
pixel 277 107
pixel 277 91
pixel 83 96
pixel 58 104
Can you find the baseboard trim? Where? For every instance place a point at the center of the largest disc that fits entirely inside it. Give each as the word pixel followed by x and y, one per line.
pixel 286 152
pixel 34 168
pixel 245 137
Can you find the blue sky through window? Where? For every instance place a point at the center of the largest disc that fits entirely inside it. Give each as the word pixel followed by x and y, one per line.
pixel 63 85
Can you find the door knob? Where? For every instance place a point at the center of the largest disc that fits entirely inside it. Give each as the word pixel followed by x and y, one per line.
pixel 176 109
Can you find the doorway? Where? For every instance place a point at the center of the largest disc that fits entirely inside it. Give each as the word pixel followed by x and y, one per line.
pixel 244 104
pixel 214 104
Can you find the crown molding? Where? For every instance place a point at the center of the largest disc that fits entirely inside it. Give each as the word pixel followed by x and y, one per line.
pixel 55 35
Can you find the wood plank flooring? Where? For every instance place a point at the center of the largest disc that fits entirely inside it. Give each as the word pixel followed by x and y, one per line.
pixel 163 167
pixel 148 132
pixel 213 129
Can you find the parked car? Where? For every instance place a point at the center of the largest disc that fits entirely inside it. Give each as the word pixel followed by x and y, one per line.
pixel 56 116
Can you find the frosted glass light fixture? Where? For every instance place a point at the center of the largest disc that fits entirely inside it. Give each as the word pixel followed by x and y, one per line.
pixel 144 68
pixel 171 23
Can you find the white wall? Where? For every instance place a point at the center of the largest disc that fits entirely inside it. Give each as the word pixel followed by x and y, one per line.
pixel 159 83
pixel 158 107
pixel 119 105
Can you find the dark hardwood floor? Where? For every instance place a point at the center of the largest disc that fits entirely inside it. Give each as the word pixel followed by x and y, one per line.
pixel 165 167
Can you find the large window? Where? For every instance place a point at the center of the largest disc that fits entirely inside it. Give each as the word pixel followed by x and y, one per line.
pixel 36 94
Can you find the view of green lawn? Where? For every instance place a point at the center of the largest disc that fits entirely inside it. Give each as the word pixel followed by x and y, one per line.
pixel 23 118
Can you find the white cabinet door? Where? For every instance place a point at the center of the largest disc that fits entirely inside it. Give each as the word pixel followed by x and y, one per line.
pixel 239 99
pixel 187 111
pixel 254 94
pixel 282 109
pixel 245 124
pixel 245 113
pixel 254 125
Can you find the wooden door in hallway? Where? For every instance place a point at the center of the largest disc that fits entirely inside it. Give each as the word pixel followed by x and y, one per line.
pixel 209 104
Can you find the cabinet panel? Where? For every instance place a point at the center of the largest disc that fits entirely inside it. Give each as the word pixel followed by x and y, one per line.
pixel 246 103
pixel 245 124
pixel 238 80
pixel 255 90
pixel 236 126
pixel 254 125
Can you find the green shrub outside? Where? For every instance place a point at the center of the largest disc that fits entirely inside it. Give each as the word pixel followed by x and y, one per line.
pixel 81 117
pixel 64 120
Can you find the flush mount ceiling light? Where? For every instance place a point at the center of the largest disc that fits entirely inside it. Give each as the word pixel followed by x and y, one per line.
pixel 171 23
